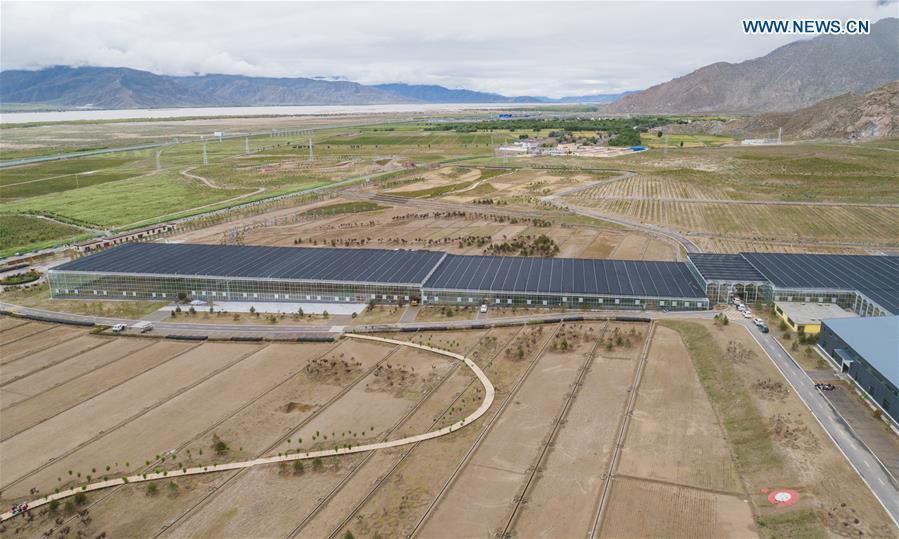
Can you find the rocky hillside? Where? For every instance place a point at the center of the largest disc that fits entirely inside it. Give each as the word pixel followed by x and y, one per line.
pixel 849 116
pixel 793 76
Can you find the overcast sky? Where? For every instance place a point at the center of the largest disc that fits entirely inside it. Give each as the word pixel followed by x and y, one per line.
pixel 536 48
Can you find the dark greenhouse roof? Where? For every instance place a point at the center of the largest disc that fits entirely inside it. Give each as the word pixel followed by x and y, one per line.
pixel 291 263
pixel 875 276
pixel 565 275
pixel 715 267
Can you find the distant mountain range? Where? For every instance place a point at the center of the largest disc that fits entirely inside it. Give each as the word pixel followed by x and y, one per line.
pixel 796 75
pixel 124 88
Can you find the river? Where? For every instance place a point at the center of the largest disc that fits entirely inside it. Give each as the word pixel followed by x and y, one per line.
pixel 126 114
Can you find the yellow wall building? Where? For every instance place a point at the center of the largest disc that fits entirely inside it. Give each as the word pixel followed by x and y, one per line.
pixel 806 318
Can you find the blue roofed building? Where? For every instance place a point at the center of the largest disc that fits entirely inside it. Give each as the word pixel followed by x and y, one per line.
pixel 868 350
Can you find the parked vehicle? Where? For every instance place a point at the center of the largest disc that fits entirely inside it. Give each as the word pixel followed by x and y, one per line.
pixel 764 328
pixel 825 387
pixel 118 328
pixel 758 321
pixel 147 328
pixel 483 308
pixel 747 314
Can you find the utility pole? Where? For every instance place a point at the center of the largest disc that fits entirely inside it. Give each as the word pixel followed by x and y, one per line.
pixel 780 132
pixel 311 154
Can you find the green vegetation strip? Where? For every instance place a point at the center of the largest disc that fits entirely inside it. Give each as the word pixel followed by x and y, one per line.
pixel 348 207
pixel 434 191
pixel 746 429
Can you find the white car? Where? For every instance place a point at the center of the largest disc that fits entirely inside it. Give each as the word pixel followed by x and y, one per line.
pixel 758 321
pixel 747 314
pixel 741 308
pixel 483 308
pixel 118 327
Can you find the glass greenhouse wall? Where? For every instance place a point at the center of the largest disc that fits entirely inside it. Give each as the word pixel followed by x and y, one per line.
pixel 156 288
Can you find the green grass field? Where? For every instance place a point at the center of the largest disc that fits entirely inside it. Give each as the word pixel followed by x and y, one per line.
pixel 689 141
pixel 119 203
pixel 22 231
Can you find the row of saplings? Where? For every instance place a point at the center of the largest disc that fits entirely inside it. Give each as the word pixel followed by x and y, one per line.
pixel 271 317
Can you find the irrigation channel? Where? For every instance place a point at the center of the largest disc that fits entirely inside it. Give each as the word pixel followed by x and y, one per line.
pixel 489 393
pixel 621 435
pixel 483 435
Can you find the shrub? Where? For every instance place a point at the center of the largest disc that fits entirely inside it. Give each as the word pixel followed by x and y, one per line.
pixel 152 489
pixel 80 498
pixel 219 445
pixel 68 508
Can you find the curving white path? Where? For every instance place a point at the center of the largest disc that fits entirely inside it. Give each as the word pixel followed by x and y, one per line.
pixel 489 394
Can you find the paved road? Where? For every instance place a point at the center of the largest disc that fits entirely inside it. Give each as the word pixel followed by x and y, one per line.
pixel 225 330
pixel 866 464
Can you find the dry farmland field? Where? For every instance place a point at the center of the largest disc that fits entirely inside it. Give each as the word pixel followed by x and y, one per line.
pixel 535 465
pixel 468 230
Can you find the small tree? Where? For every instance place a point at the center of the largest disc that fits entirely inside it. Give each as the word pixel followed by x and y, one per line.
pixel 252 310
pixel 152 489
pixel 53 506
pixel 300 311
pixel 298 467
pixel 192 311
pixel 80 498
pixel 68 508
pixel 182 296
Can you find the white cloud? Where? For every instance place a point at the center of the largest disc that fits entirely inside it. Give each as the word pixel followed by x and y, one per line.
pixel 512 48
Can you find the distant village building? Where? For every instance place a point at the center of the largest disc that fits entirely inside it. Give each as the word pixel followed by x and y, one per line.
pixel 134 235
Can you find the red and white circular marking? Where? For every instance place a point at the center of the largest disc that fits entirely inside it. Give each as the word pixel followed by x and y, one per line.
pixel 783 497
